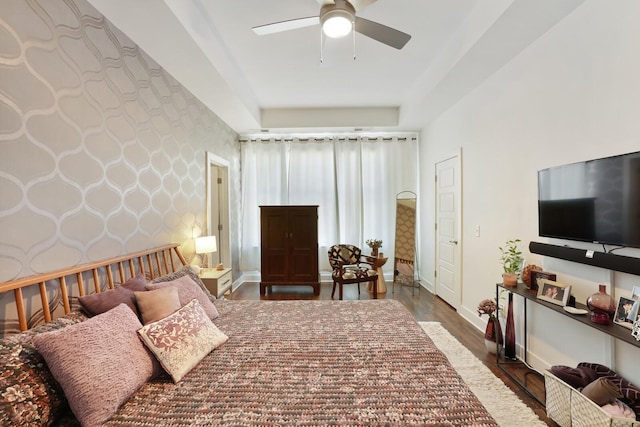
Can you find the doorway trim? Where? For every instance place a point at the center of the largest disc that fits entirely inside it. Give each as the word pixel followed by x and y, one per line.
pixel 224 244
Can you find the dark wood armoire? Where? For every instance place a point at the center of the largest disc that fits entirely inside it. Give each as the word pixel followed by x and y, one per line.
pixel 289 246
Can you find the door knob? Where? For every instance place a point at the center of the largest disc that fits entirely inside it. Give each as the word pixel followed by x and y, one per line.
pixel 455 242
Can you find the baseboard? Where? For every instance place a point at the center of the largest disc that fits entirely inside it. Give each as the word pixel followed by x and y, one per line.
pixel 325 277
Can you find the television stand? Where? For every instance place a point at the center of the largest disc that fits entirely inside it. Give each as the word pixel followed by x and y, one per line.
pixel 529 296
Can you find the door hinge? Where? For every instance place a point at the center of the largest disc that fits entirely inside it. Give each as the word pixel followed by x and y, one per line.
pixel 435 273
pixel 219 227
pixel 219 180
pixel 436 226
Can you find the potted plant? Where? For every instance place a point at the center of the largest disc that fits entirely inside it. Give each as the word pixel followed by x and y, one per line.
pixel 512 260
pixel 374 244
pixel 493 339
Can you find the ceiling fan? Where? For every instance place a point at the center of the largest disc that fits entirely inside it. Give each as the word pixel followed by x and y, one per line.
pixel 338 18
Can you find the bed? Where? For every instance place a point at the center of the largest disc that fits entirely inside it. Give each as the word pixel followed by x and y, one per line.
pixel 308 363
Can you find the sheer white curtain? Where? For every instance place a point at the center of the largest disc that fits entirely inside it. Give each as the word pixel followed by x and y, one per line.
pixel 353 180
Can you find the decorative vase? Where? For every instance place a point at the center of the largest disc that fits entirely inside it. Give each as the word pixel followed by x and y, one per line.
pixel 493 335
pixel 510 279
pixel 602 306
pixel 510 332
pixel 374 252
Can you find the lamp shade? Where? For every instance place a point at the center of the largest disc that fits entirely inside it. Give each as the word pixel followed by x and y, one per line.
pixel 337 19
pixel 206 244
pixel 337 26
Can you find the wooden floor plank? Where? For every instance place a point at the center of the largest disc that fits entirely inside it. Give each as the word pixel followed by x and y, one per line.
pixel 425 307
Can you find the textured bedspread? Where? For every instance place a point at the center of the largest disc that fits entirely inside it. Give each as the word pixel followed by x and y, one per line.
pixel 314 363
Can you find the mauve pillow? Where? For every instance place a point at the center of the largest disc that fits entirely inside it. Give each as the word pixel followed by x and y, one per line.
pixel 159 303
pixel 187 270
pixel 104 301
pixel 98 363
pixel 137 283
pixel 182 339
pixel 188 290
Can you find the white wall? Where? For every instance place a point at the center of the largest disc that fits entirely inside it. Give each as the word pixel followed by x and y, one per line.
pixel 573 95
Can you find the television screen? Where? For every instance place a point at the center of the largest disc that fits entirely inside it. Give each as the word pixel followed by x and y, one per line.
pixel 593 201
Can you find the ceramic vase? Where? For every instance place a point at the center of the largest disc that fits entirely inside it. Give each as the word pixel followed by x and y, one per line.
pixel 510 332
pixel 493 335
pixel 602 306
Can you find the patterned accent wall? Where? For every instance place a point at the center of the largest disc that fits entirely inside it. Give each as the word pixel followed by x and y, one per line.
pixel 102 152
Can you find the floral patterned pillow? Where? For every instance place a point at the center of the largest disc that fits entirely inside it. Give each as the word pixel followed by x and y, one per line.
pixel 29 395
pixel 182 339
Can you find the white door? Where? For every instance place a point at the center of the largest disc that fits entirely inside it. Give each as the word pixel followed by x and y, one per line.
pixel 448 244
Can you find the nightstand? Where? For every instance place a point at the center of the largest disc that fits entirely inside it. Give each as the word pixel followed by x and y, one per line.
pixel 217 281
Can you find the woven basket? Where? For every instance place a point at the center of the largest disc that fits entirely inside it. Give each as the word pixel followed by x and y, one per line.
pixel 570 408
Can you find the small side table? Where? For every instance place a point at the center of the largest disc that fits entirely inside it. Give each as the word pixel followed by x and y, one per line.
pixel 377 265
pixel 217 281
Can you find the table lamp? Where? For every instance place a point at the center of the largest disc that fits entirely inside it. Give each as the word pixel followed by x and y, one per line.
pixel 206 245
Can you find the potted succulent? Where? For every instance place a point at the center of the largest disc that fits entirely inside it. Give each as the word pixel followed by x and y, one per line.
pixel 374 244
pixel 512 260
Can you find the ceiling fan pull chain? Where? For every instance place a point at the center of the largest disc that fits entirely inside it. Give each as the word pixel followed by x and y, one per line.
pixel 354 39
pixel 321 45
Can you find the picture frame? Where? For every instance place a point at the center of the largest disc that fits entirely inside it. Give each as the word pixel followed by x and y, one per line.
pixel 626 312
pixel 553 292
pixel 536 275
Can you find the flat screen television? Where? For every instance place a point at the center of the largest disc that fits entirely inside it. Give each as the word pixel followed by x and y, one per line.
pixel 593 201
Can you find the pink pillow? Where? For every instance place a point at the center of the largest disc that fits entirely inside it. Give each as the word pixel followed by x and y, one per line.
pixel 98 363
pixel 182 339
pixel 159 303
pixel 137 283
pixel 104 301
pixel 188 290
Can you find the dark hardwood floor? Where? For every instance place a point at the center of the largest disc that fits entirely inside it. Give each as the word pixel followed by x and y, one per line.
pixel 425 307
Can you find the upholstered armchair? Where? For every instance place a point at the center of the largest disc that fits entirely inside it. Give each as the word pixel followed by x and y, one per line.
pixel 350 267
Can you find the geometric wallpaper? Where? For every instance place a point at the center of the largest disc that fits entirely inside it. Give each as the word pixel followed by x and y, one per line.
pixel 102 152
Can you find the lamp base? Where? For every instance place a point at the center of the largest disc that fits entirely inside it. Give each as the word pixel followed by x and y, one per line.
pixel 219 267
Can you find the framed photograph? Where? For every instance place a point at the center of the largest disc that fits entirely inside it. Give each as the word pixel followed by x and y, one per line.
pixel 626 312
pixel 553 292
pixel 537 275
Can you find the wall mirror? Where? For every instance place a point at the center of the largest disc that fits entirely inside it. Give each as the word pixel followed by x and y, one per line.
pixel 217 207
pixel 405 244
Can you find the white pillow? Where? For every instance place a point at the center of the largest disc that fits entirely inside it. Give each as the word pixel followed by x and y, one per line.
pixel 182 339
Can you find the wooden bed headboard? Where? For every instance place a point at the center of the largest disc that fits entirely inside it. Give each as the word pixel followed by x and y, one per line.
pixel 151 263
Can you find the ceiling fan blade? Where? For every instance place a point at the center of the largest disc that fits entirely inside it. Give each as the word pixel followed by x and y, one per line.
pixel 361 4
pixel 291 24
pixel 382 33
pixel 323 2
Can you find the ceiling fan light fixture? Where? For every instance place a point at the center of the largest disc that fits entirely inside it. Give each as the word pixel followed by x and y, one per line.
pixel 337 19
pixel 337 26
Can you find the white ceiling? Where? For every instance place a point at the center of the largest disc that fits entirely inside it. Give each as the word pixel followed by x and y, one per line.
pixel 277 81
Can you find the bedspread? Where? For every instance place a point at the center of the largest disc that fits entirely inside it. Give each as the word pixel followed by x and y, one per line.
pixel 311 363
